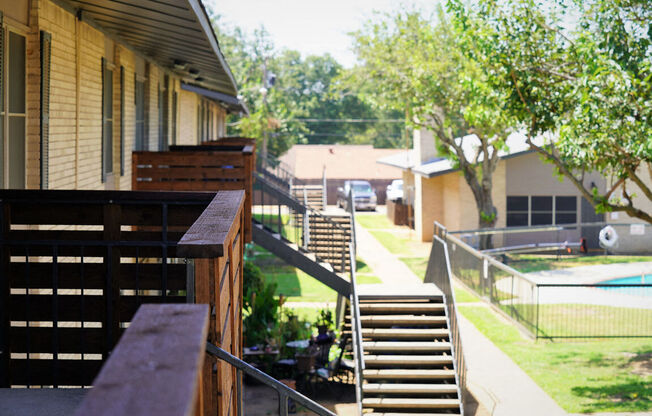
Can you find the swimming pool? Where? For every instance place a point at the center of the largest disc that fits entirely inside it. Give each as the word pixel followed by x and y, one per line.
pixel 630 290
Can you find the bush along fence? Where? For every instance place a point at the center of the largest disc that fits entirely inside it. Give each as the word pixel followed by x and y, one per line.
pixel 552 310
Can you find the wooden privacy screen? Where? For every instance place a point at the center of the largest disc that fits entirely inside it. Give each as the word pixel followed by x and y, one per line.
pixel 215 242
pixel 197 168
pixel 76 265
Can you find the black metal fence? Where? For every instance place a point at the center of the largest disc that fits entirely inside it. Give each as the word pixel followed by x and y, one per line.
pixel 550 309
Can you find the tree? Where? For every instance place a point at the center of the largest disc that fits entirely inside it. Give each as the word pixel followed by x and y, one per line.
pixel 302 91
pixel 588 86
pixel 417 64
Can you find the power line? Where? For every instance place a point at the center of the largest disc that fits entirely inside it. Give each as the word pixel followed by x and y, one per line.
pixel 348 120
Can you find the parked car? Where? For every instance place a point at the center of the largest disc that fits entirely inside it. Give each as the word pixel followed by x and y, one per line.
pixel 363 194
pixel 395 190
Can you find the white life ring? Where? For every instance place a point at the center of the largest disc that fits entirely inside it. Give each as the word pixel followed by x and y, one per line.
pixel 608 237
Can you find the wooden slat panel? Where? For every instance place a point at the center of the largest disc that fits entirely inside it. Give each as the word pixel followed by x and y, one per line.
pixel 55 235
pixel 190 159
pixel 158 174
pixel 150 214
pixel 69 308
pixel 70 340
pixel 191 186
pixel 148 276
pixel 42 372
pixel 128 305
pixel 153 251
pixel 69 275
pixel 56 213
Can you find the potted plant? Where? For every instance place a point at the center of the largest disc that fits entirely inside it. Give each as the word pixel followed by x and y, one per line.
pixel 324 321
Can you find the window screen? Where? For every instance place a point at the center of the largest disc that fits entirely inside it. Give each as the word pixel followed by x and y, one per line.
pixel 139 98
pixel 565 210
pixel 541 210
pixel 517 211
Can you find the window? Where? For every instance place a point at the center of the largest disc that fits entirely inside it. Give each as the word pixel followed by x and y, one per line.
pixel 107 120
pixel 565 210
pixel 12 122
pixel 517 211
pixel 541 210
pixel 139 98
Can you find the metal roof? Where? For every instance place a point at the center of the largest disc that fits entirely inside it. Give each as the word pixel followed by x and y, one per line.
pixel 231 103
pixel 175 34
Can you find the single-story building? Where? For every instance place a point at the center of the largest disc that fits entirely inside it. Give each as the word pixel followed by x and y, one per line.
pixel 526 192
pixel 341 162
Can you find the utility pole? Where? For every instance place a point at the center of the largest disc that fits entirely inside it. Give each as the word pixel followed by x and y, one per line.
pixel 265 122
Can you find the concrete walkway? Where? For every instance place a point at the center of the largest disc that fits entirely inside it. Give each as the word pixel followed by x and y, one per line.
pixel 500 386
pixel 385 265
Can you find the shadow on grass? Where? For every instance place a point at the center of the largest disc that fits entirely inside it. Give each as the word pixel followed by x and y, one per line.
pixel 287 283
pixel 631 395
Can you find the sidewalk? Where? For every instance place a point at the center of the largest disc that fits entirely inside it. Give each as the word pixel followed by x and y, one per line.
pixel 501 387
pixel 385 265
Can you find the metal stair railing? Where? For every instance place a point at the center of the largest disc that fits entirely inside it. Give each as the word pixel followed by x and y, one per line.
pixel 281 213
pixel 356 329
pixel 277 171
pixel 439 272
pixel 284 392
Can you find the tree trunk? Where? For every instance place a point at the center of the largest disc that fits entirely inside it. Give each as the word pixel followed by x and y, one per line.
pixel 487 217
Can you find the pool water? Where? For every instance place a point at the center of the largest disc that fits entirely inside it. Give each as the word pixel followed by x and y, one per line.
pixel 633 280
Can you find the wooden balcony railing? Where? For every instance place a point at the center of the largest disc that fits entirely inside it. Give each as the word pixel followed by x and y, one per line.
pixel 215 166
pixel 76 265
pixel 156 367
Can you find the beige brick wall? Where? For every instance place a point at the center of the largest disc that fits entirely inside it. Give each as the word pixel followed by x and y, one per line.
pixel 125 58
pixel 448 199
pixel 151 106
pixel 62 26
pixel 76 103
pixel 188 103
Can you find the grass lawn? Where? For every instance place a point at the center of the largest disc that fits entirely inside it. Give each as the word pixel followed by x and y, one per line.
pixel 464 296
pixel 595 376
pixel 373 221
pixel 527 263
pixel 297 285
pixel 418 265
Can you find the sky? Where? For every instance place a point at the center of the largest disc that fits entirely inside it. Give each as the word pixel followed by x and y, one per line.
pixel 309 26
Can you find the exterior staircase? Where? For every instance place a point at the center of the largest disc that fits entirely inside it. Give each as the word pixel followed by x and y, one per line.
pixel 323 237
pixel 408 357
pixel 313 195
pixel 304 260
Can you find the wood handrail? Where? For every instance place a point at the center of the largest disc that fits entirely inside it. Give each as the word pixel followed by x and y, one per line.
pixel 156 367
pixel 216 225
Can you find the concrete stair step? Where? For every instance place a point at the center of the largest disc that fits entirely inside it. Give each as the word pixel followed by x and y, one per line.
pixel 405 346
pixel 411 403
pixel 410 333
pixel 376 360
pixel 384 320
pixel 400 388
pixel 401 307
pixel 408 374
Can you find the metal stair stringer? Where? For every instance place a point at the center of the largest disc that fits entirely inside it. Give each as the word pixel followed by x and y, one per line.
pixel 299 259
